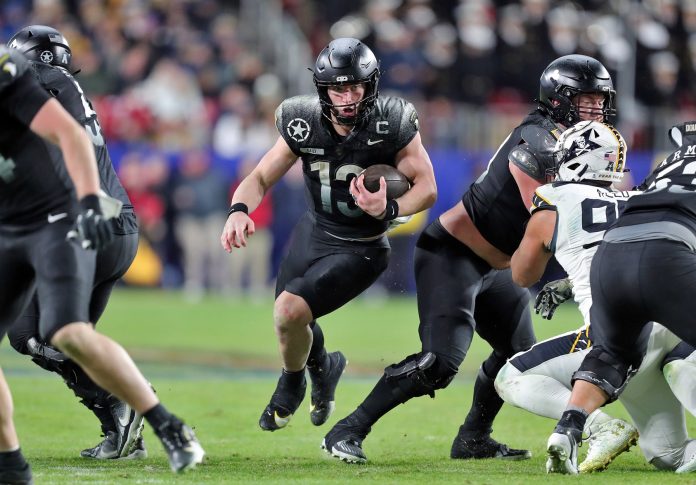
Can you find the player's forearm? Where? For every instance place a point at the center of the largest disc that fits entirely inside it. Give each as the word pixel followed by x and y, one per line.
pixel 56 125
pixel 527 268
pixel 250 192
pixel 80 161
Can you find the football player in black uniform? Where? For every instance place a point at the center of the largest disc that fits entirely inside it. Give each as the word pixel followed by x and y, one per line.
pixel 462 270
pixel 38 209
pixel 50 55
pixel 644 271
pixel 339 248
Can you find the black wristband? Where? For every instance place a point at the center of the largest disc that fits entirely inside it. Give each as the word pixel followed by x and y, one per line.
pixel 90 201
pixel 238 207
pixel 391 212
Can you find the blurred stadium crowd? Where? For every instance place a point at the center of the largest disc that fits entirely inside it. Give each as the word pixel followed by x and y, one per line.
pixel 186 91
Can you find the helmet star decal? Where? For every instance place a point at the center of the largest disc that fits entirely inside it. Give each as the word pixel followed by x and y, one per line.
pixel 46 57
pixel 298 129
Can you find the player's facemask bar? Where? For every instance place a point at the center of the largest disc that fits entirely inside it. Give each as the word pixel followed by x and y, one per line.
pixel 362 108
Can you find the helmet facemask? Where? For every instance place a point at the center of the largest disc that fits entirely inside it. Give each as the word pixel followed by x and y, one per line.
pixel 566 110
pixel 362 107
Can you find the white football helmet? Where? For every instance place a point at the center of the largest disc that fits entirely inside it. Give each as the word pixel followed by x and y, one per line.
pixel 590 150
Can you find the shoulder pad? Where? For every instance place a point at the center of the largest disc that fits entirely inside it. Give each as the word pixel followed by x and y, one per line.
pixel 299 121
pixel 12 65
pixel 543 199
pixel 527 161
pixel 541 139
pixel 396 119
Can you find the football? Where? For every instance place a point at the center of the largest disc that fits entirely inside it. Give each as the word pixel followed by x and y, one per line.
pixel 397 183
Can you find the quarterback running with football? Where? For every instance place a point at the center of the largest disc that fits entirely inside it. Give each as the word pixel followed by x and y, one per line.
pixel 339 247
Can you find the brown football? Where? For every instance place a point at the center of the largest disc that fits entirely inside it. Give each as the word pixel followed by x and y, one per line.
pixel 397 183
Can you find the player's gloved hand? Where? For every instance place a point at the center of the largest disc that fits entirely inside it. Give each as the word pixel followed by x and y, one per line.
pixel 551 296
pixel 91 230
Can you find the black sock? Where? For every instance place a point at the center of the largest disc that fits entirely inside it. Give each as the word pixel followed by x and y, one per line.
pixel 293 379
pixel 12 459
pixel 484 408
pixel 573 418
pixel 378 403
pixel 157 416
pixel 318 357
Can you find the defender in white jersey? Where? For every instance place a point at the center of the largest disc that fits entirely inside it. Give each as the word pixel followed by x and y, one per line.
pixel 569 218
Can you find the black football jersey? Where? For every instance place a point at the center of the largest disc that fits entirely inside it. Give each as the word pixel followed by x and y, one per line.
pixel 493 201
pixel 329 162
pixel 670 190
pixel 63 86
pixel 31 186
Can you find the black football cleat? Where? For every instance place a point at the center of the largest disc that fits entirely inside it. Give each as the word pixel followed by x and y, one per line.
pixel 344 441
pixel 485 447
pixel 183 449
pixel 126 441
pixel 16 476
pixel 284 402
pixel 324 382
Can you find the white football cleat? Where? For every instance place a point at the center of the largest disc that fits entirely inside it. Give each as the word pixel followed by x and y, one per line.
pixel 688 466
pixel 562 452
pixel 609 441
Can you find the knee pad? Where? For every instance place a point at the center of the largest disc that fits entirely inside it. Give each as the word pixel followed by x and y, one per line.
pixel 75 378
pixel 504 378
pixel 418 375
pixel 604 371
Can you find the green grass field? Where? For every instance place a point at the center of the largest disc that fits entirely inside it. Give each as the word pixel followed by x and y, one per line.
pixel 215 364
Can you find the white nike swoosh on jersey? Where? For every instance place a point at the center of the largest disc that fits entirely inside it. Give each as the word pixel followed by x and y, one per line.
pixel 373 142
pixel 56 217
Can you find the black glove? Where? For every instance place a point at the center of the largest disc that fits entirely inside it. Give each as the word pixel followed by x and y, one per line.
pixel 91 230
pixel 551 295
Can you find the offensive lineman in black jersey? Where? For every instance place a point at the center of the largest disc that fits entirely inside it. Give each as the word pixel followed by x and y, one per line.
pixel 462 276
pixel 339 248
pixel 44 235
pixel 50 56
pixel 644 271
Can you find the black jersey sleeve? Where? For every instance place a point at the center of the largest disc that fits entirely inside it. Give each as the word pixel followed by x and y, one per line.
pixel 298 120
pixel 62 86
pixel 535 155
pixel 23 98
pixel 409 125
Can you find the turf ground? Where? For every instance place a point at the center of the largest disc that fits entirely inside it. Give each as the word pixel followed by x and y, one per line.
pixel 215 364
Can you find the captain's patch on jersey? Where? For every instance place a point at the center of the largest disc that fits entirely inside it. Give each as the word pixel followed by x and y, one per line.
pixel 298 129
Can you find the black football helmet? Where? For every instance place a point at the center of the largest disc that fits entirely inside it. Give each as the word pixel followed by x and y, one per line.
pixel 343 62
pixel 569 76
pixel 42 44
